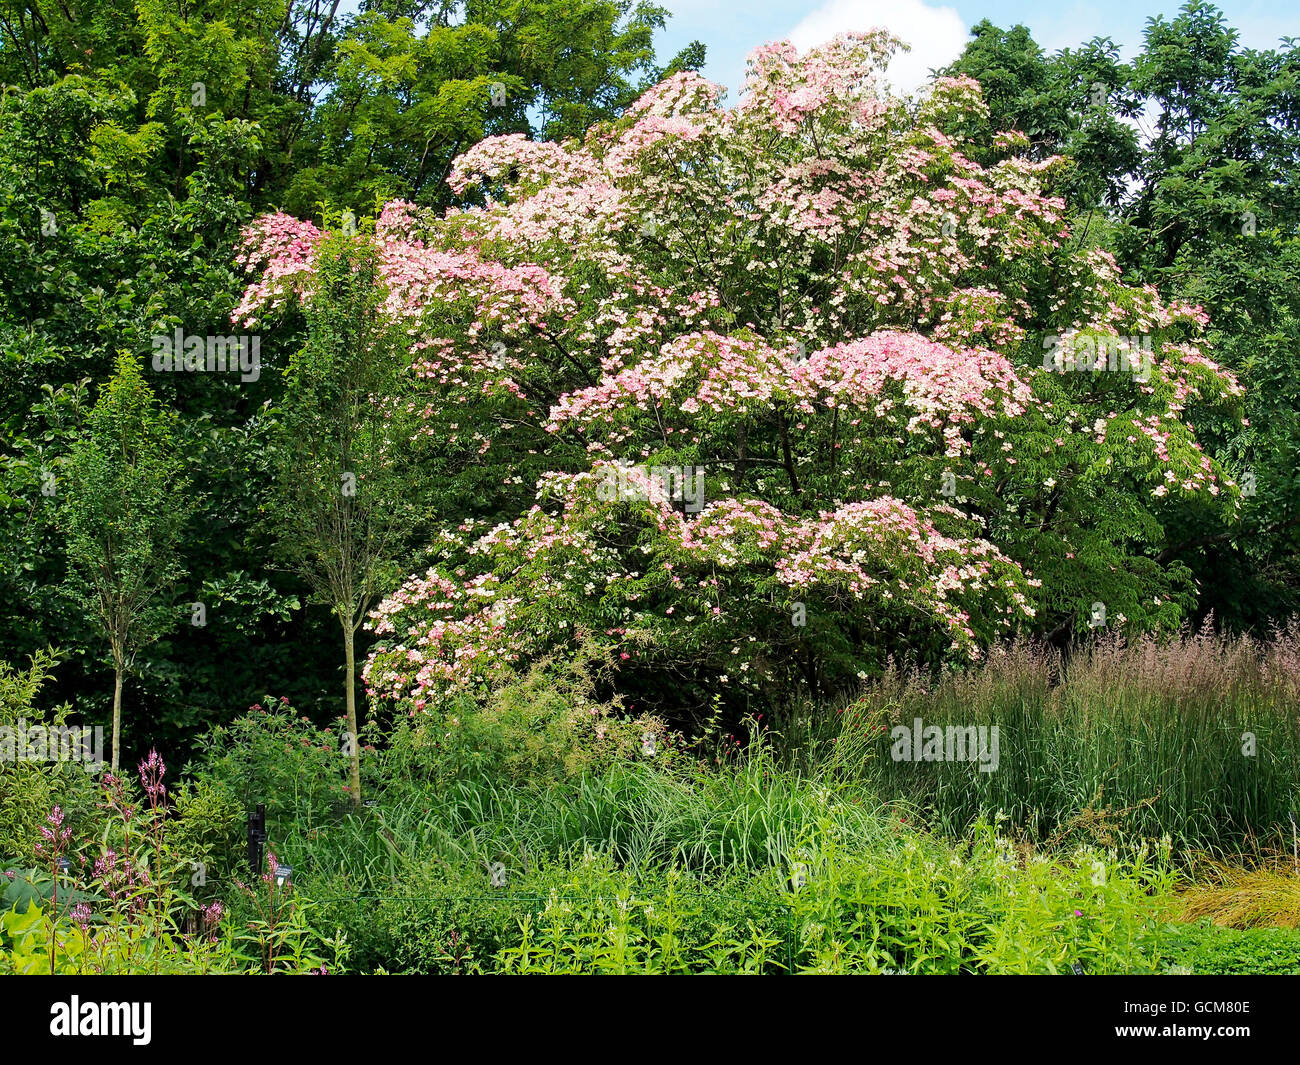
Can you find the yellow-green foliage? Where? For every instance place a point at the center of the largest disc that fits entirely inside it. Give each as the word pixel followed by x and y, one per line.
pixel 1247 898
pixel 546 726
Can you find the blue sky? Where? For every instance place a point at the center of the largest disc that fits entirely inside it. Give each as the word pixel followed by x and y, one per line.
pixel 936 29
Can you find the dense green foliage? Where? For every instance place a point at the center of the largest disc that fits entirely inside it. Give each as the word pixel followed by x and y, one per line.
pixel 1206 949
pixel 589 858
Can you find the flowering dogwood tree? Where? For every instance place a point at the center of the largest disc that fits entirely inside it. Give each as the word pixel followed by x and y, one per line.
pixel 861 342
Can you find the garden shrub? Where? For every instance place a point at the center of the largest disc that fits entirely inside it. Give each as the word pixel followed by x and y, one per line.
pixel 276 757
pixel 547 725
pixel 207 834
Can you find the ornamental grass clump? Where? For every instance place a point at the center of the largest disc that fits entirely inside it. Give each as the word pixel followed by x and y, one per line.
pixel 1196 737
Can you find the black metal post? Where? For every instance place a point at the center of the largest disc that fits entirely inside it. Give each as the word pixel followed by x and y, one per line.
pixel 256 838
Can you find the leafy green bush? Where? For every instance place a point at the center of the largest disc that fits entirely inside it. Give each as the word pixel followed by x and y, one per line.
pixel 207 833
pixel 277 757
pixel 598 919
pixel 546 726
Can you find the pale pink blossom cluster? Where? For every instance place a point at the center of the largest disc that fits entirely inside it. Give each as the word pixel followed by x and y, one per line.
pixel 447 635
pixel 938 387
pixel 839 78
pixel 283 249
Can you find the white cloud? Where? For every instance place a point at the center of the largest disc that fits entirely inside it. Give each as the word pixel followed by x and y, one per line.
pixel 937 34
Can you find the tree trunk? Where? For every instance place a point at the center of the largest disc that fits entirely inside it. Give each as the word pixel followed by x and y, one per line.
pixel 354 767
pixel 117 714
